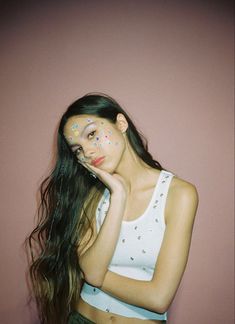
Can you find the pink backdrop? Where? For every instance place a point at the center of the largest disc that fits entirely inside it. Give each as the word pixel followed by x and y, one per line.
pixel 170 64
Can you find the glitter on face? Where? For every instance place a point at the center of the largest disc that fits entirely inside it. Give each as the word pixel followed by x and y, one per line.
pixel 74 127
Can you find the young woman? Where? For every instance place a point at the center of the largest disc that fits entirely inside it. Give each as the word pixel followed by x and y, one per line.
pixel 114 228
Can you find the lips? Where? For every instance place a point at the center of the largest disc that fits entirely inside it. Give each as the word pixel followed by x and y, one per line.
pixel 98 161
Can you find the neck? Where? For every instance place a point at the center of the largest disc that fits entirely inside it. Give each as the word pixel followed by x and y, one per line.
pixel 133 170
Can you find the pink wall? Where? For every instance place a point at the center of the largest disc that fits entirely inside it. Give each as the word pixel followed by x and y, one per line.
pixel 170 64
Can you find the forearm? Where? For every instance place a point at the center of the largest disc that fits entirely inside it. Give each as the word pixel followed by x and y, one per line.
pixel 95 260
pixel 137 292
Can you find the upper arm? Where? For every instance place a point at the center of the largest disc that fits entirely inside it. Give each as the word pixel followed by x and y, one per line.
pixel 87 240
pixel 180 212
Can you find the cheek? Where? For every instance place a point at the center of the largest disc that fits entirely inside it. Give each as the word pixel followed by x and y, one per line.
pixel 108 138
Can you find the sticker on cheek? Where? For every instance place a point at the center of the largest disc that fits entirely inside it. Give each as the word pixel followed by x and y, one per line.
pixel 74 127
pixel 89 120
pixel 76 133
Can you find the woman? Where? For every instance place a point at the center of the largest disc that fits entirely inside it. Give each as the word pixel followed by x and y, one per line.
pixel 114 227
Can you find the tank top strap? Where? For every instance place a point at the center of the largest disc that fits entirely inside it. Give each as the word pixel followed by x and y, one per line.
pixel 160 195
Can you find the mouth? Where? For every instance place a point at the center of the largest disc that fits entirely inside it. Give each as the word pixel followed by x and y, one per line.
pixel 98 161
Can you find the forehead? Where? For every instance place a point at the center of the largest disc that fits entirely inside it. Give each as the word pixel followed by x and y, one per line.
pixel 80 121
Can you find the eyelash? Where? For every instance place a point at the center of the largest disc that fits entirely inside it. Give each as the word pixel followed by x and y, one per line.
pixel 78 150
pixel 93 132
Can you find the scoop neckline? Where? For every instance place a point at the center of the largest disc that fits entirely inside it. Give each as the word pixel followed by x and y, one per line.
pixel 149 204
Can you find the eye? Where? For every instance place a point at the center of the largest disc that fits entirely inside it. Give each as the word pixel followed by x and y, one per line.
pixel 91 134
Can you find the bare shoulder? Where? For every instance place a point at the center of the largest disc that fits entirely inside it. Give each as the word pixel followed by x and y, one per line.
pixel 182 197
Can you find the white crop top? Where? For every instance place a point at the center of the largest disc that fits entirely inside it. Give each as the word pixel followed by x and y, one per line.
pixel 136 251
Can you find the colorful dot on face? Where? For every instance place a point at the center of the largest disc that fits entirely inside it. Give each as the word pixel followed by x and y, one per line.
pixel 97 138
pixel 89 120
pixel 76 133
pixel 74 127
pixel 70 138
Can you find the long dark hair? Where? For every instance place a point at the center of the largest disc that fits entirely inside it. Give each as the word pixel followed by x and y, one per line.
pixel 68 200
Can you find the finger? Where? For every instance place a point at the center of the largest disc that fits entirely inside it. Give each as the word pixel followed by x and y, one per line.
pixel 92 172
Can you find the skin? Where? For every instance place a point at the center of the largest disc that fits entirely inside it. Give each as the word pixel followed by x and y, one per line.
pixel 130 196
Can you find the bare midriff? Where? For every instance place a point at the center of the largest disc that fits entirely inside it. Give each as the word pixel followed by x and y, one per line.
pixel 99 317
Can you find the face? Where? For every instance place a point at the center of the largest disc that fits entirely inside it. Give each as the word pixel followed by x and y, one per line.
pixel 96 141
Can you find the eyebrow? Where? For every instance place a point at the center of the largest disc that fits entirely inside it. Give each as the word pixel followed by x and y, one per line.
pixel 77 145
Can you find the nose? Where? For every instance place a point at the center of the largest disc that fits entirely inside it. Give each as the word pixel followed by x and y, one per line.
pixel 89 150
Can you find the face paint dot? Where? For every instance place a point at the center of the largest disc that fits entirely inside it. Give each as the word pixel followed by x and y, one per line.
pixel 102 123
pixel 74 127
pixel 76 133
pixel 70 138
pixel 89 120
pixel 97 138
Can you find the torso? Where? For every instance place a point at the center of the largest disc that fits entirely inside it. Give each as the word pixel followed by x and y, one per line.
pixel 137 207
pixel 100 317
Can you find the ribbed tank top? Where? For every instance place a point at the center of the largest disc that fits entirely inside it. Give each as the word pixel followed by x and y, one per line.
pixel 136 251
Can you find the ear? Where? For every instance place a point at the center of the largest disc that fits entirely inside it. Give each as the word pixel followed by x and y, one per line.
pixel 121 123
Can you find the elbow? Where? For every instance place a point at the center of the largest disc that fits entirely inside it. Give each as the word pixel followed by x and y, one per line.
pixel 94 278
pixel 160 308
pixel 94 281
pixel 159 305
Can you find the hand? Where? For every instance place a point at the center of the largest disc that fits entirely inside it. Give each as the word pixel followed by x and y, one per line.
pixel 114 182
